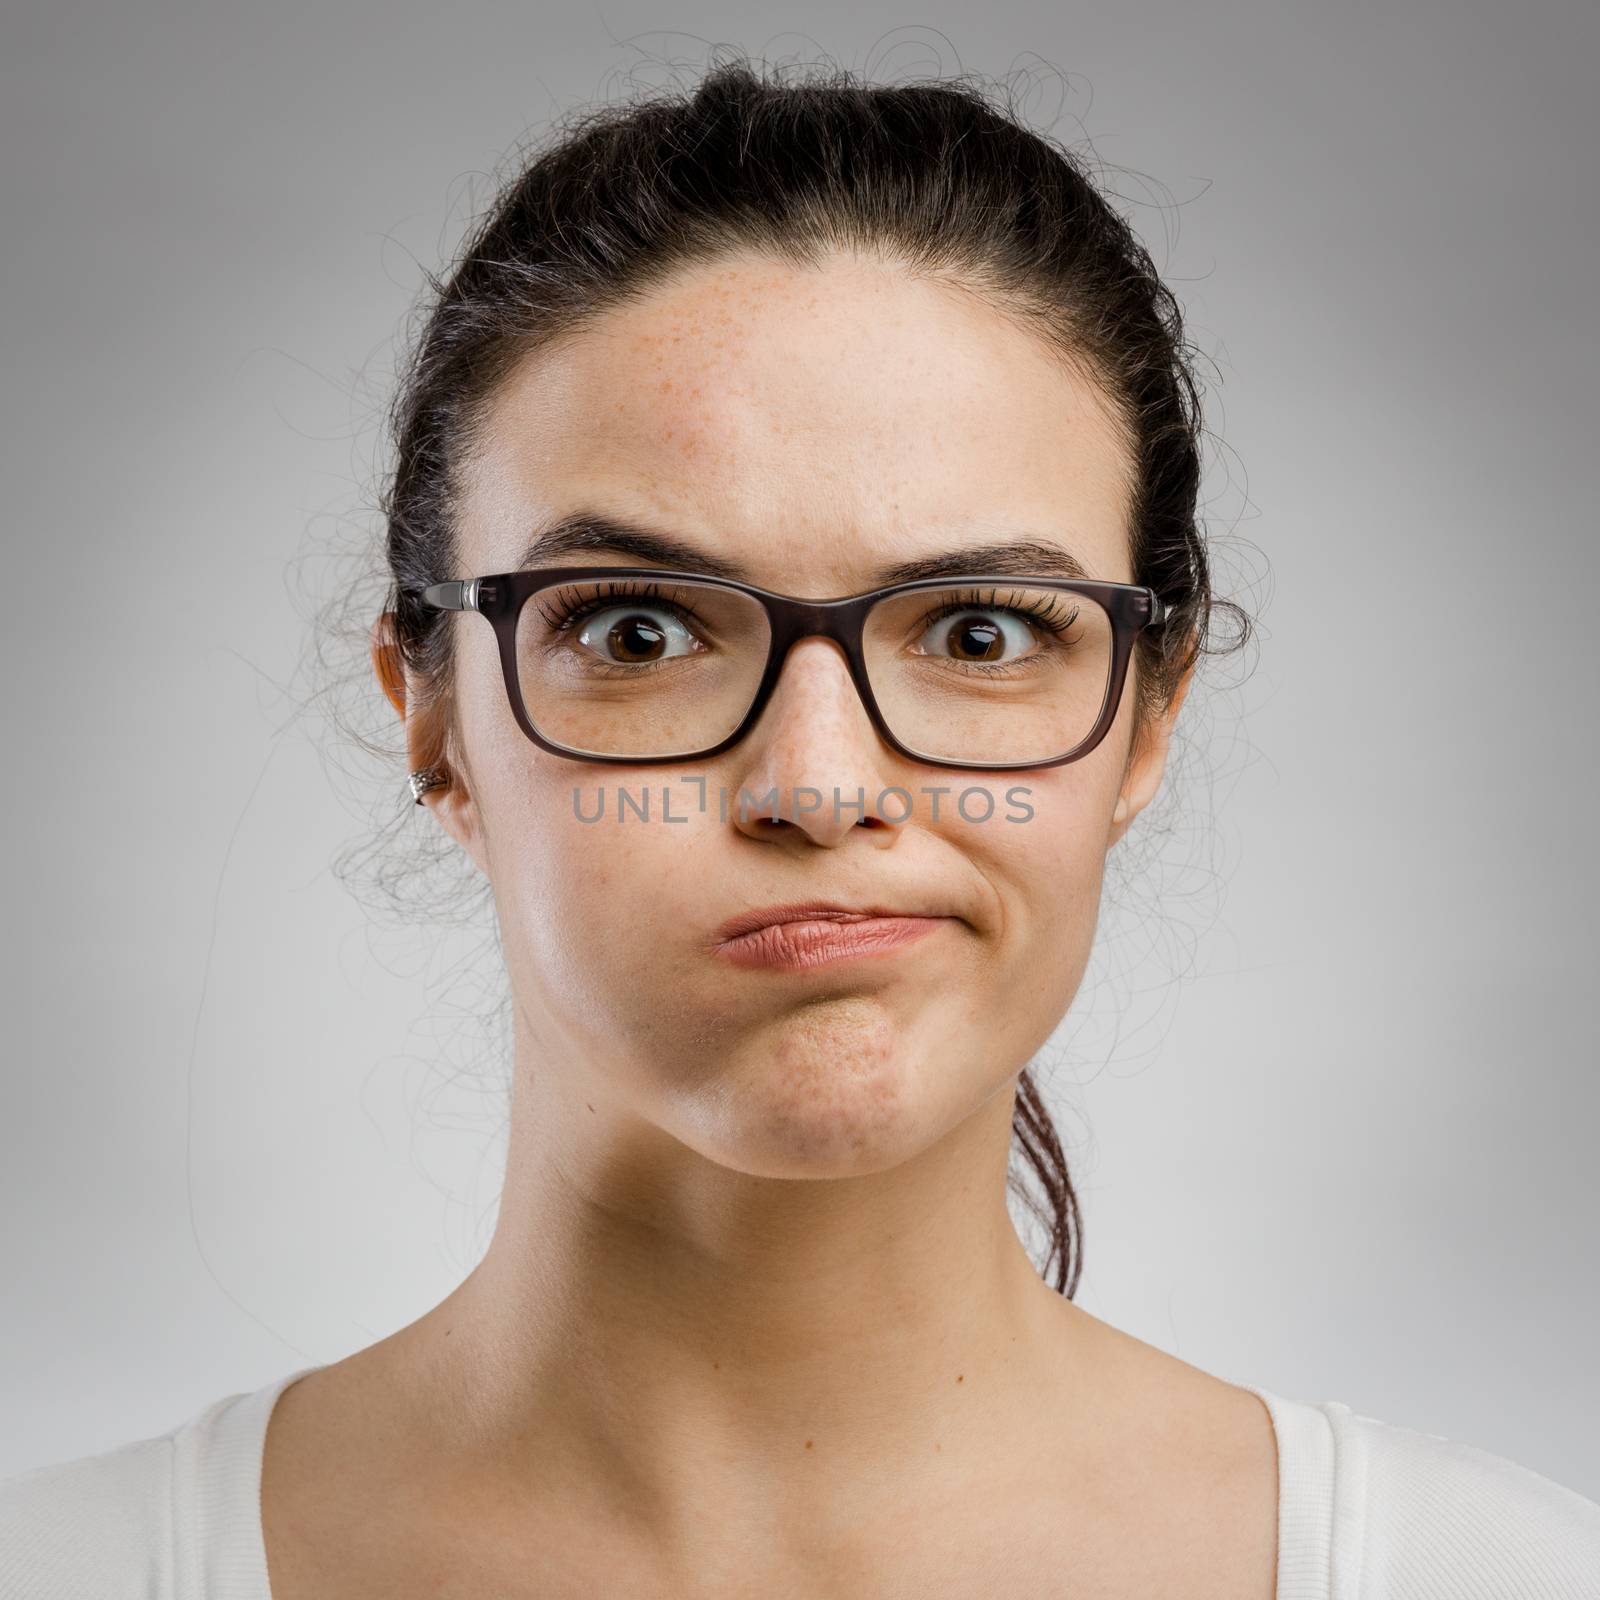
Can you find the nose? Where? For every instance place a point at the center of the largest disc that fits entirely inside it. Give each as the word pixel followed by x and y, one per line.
pixel 813 762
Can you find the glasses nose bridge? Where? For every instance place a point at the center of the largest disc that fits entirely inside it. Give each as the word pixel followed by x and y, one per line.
pixel 794 620
pixel 798 619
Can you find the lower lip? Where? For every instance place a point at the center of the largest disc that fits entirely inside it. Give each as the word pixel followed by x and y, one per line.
pixel 797 945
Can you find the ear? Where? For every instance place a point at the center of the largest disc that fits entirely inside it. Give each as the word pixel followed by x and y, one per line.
pixel 386 661
pixel 453 806
pixel 1146 763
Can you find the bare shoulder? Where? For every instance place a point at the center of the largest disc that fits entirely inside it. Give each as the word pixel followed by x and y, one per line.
pixel 1199 1460
pixel 1201 1416
pixel 337 1491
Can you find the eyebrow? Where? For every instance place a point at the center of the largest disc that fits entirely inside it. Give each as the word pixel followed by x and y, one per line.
pixel 593 532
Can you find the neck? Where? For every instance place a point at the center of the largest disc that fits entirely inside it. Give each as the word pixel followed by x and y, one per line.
pixel 695 1335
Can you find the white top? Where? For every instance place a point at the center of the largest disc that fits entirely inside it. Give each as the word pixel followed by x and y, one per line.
pixel 1366 1509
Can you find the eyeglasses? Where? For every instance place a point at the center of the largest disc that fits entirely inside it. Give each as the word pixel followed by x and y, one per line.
pixel 649 664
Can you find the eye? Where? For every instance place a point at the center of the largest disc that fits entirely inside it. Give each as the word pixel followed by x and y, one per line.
pixel 977 634
pixel 632 634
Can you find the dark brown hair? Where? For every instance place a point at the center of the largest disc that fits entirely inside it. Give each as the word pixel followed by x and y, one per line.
pixel 934 175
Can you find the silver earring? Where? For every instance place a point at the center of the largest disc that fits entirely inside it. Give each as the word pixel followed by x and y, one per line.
pixel 425 779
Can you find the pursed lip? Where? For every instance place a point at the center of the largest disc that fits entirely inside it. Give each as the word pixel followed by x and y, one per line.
pixel 808 911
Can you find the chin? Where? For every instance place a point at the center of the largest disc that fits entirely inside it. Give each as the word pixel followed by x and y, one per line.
pixel 836 1089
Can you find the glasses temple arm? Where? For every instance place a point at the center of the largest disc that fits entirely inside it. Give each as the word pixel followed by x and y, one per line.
pixel 452 596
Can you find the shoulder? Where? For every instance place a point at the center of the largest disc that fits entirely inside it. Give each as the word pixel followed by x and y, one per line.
pixel 99 1525
pixel 1441 1517
pixel 173 1517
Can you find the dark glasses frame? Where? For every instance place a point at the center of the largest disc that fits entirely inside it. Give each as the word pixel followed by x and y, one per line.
pixel 500 597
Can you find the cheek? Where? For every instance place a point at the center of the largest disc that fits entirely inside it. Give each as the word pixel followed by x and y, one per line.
pixel 582 896
pixel 1049 868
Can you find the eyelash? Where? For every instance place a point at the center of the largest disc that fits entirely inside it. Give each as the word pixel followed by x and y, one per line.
pixel 1047 616
pixel 570 615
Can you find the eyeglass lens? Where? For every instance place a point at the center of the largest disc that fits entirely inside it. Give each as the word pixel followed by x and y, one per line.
pixel 664 668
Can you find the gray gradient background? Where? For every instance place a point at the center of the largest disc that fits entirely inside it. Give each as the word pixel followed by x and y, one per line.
pixel 1331 1089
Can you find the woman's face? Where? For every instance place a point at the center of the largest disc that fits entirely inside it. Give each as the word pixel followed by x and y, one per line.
pixel 812 427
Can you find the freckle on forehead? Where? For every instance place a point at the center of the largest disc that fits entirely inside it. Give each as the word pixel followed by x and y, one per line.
pixel 725 392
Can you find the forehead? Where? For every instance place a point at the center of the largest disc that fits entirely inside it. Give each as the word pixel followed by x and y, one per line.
pixel 811 423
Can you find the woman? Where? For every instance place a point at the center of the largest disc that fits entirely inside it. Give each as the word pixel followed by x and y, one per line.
pixel 821 460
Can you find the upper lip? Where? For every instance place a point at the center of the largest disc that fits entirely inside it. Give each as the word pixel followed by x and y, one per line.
pixel 800 910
